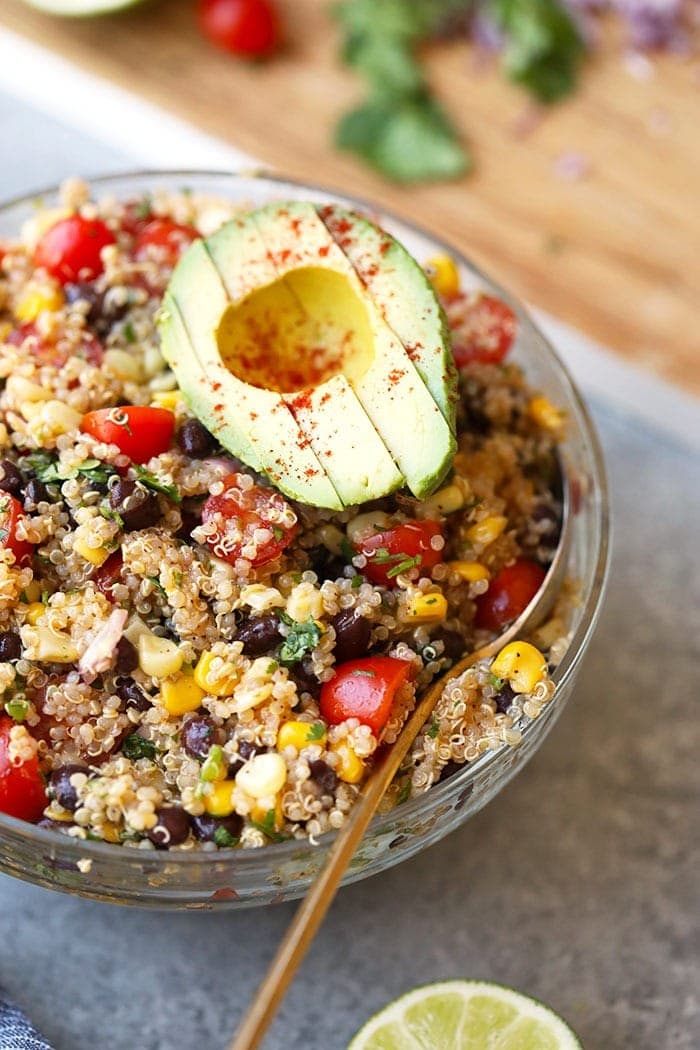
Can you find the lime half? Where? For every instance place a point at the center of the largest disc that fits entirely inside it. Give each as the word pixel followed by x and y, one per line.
pixel 465 1015
pixel 80 8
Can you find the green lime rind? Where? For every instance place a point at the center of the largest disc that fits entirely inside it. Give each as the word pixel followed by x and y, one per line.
pixel 465 1015
pixel 81 8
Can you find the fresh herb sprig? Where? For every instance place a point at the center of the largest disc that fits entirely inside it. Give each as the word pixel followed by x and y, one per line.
pixel 301 639
pixel 152 482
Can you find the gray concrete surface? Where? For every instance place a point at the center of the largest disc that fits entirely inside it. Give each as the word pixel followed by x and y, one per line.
pixel 578 884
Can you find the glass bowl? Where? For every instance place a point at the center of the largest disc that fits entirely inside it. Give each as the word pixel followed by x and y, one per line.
pixel 244 878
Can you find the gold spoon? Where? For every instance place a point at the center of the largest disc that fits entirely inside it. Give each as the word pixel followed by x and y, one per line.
pixel 317 901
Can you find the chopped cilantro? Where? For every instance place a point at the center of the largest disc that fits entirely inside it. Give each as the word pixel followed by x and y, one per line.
pixel 278 532
pixel 111 515
pixel 17 709
pixel 399 562
pixel 347 551
pixel 152 482
pixel 302 638
pixel 495 682
pixel 135 747
pixel 43 465
pixel 316 731
pixel 129 333
pixel 222 837
pixel 404 566
pixel 404 793
pixel 156 581
pixel 544 46
pixel 356 581
pixel 46 468
pixel 267 826
pixel 433 728
pixel 272 667
pixel 142 208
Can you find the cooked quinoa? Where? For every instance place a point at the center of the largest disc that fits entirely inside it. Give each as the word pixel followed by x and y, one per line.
pixel 160 682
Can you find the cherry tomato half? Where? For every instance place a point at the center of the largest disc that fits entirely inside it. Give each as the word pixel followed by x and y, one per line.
pixel 109 574
pixel 249 28
pixel 11 513
pixel 510 592
pixel 484 332
pixel 139 431
pixel 239 512
pixel 70 250
pixel 364 689
pixel 388 553
pixel 22 791
pixel 165 240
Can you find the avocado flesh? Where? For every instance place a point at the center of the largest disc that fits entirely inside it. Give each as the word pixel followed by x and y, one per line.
pixel 390 389
pixel 399 279
pixel 256 425
pixel 265 318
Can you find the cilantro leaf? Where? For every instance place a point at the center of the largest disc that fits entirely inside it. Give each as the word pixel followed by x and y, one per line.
pixel 316 731
pixel 135 747
pixel 544 47
pixel 222 837
pixel 152 482
pixel 43 465
pixel 301 639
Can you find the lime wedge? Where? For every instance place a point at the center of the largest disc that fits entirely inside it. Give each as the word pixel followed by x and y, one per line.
pixel 465 1015
pixel 80 8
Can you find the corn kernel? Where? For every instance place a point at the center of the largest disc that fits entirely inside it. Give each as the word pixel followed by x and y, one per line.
pixel 181 694
pixel 446 500
pixel 349 768
pixel 521 664
pixel 159 657
pixel 301 734
pixel 36 301
pixel 469 571
pixel 427 608
pixel 169 399
pixel 443 274
pixel 263 776
pixel 219 801
pixel 213 683
pixel 545 414
pixel 483 533
pixel 55 647
pixel 261 815
pixel 123 365
pixel 95 555
pixel 34 612
pixel 305 602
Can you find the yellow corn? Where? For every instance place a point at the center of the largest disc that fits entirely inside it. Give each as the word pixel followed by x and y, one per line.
pixel 427 608
pixel 181 694
pixel 158 657
pixel 261 815
pixel 34 612
pixel 545 414
pixel 483 533
pixel 469 571
pixel 219 801
pixel 350 768
pixel 301 734
pixel 95 555
pixel 263 776
pixel 32 592
pixel 521 664
pixel 221 685
pixel 36 301
pixel 169 399
pixel 443 274
pixel 446 500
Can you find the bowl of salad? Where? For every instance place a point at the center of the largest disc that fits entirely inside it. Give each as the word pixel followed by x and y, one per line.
pixel 270 463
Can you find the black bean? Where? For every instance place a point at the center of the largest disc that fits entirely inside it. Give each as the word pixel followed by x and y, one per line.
pixel 198 735
pixel 225 831
pixel 36 492
pixel 305 680
pixel 126 658
pixel 246 750
pixel 453 642
pixel 504 699
pixel 136 506
pixel 11 479
pixel 104 310
pixel 449 769
pixel 323 775
pixel 352 633
pixel 172 827
pixel 131 694
pixel 10 646
pixel 327 566
pixel 60 787
pixel 194 439
pixel 259 634
pixel 190 521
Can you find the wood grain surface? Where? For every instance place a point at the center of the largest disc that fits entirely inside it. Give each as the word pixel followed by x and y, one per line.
pixel 616 253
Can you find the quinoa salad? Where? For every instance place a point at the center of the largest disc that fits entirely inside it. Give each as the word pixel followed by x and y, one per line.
pixel 190 658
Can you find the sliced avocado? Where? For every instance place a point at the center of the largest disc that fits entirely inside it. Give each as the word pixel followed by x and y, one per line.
pixel 380 372
pixel 393 278
pixel 254 424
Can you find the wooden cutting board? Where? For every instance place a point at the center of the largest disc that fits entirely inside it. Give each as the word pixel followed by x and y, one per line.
pixel 616 252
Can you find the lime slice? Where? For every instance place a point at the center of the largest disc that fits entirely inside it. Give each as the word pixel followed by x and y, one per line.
pixel 465 1015
pixel 81 8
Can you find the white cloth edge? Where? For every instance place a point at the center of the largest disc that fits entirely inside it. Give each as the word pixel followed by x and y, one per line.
pixel 156 138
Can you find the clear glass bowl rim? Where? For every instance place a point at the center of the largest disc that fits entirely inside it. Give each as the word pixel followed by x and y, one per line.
pixel 422 805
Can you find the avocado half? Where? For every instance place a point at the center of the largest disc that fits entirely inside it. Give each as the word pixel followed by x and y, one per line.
pixel 311 344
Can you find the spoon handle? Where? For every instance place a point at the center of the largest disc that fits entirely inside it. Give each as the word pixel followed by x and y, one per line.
pixel 317 901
